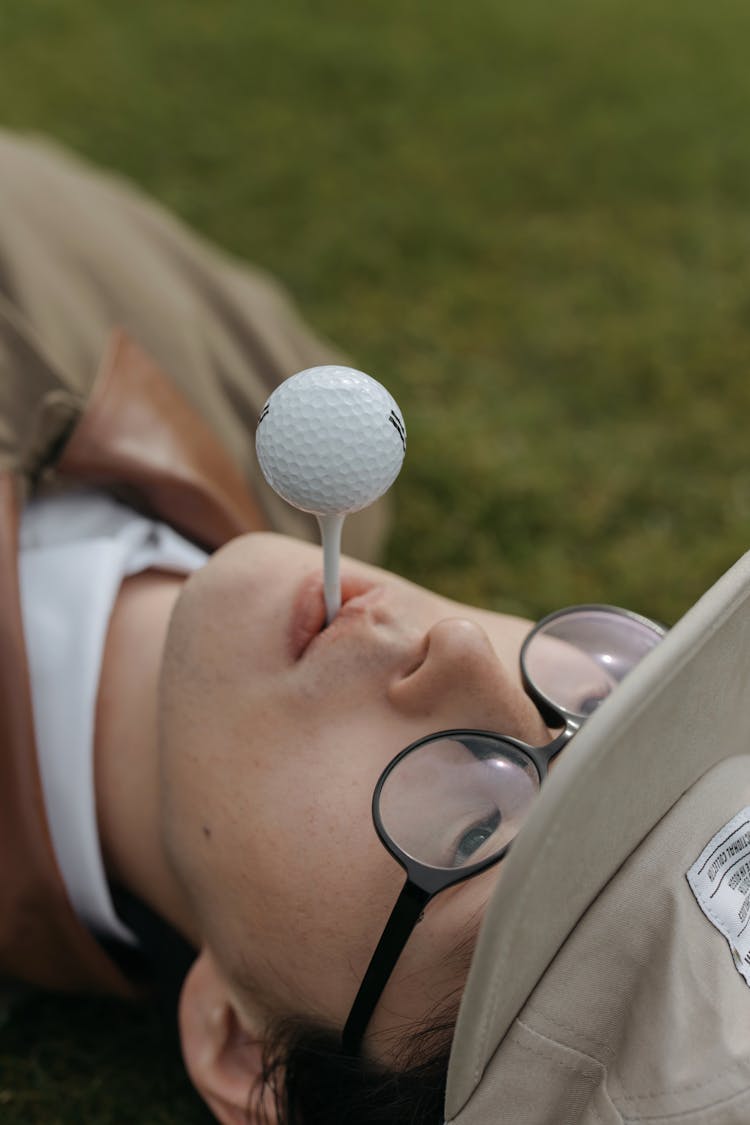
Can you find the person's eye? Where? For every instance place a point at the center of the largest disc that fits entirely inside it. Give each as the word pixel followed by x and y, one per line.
pixel 474 837
pixel 588 705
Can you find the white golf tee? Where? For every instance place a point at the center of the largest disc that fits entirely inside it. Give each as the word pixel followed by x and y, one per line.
pixel 330 535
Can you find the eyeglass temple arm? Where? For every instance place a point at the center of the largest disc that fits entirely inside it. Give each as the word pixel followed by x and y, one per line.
pixel 404 917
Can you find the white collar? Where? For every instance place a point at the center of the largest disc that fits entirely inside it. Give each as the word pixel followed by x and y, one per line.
pixel 75 551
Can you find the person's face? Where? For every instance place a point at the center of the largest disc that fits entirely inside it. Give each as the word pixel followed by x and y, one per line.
pixel 274 734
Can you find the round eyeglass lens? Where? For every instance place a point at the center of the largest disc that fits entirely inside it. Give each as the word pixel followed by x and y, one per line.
pixel 576 657
pixel 453 802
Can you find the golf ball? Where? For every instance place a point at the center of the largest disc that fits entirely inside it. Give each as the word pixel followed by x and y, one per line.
pixel 330 440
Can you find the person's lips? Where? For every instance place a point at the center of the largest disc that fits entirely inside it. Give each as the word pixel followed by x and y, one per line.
pixel 308 615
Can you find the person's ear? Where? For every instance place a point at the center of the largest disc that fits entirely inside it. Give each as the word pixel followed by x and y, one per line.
pixel 223 1056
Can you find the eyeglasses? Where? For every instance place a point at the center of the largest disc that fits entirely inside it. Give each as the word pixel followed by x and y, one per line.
pixel 449 805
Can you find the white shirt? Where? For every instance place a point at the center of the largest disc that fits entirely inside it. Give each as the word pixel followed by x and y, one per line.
pixel 75 551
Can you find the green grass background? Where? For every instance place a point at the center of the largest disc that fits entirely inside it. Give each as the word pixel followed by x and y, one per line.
pixel 530 221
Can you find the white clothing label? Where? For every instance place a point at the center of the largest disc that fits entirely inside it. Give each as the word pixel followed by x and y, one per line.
pixel 720 881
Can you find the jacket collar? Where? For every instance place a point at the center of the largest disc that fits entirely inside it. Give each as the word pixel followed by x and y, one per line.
pixel 142 438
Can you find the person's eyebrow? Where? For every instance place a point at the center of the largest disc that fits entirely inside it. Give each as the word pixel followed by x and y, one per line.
pixel 479 748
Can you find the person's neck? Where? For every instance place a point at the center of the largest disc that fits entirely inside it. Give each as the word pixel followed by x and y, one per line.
pixel 127 773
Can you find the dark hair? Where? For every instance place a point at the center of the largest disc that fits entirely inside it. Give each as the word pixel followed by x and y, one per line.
pixel 313 1082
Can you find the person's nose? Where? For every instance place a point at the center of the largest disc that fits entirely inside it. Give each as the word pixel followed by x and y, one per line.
pixel 460 681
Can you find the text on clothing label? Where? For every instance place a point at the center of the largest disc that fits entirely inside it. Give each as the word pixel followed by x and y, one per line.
pixel 720 881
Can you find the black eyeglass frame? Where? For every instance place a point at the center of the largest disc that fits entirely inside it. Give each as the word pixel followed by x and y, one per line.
pixel 424 882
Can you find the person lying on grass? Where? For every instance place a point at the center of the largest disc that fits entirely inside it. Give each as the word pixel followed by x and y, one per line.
pixel 188 757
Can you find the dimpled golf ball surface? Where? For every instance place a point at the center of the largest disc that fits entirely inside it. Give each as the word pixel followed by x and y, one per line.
pixel 330 439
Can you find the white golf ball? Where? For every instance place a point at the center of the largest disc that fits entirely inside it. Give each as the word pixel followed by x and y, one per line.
pixel 330 440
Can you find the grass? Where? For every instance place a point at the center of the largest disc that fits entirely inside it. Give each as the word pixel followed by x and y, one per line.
pixel 530 221
pixel 92 1061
